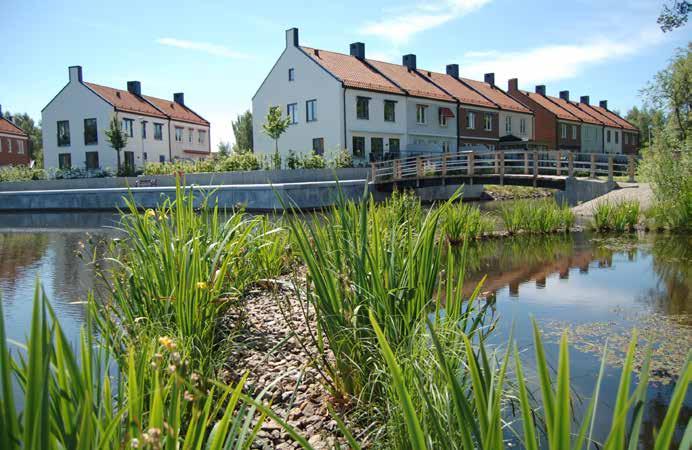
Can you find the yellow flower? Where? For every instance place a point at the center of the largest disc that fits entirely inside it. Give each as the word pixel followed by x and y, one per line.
pixel 201 285
pixel 149 213
pixel 167 342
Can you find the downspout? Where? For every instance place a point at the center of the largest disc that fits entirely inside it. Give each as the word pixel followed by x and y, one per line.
pixel 343 91
pixel 170 152
pixel 458 118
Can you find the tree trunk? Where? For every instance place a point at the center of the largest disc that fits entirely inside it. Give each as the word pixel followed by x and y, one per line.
pixel 118 170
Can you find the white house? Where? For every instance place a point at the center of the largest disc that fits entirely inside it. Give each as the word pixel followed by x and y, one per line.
pixel 75 121
pixel 376 109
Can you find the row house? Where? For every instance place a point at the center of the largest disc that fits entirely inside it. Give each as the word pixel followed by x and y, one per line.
pixel 563 124
pixel 377 109
pixel 14 143
pixel 158 130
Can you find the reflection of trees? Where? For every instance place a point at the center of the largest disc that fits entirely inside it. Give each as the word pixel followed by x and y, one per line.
pixel 19 251
pixel 672 263
pixel 654 413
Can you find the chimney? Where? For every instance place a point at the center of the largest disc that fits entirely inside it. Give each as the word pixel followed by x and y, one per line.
pixel 453 70
pixel 489 78
pixel 358 50
pixel 75 73
pixel 179 98
pixel 603 104
pixel 0 111
pixel 540 89
pixel 513 85
pixel 409 61
pixel 564 95
pixel 292 37
pixel 134 87
pixel 584 99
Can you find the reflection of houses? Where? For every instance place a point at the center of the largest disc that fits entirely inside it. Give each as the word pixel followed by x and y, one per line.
pixel 19 251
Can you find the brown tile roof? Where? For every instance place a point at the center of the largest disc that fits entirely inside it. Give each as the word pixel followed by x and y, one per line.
pixel 569 106
pixel 458 89
pixel 607 121
pixel 9 128
pixel 352 71
pixel 497 96
pixel 410 81
pixel 622 122
pixel 177 111
pixel 550 106
pixel 125 101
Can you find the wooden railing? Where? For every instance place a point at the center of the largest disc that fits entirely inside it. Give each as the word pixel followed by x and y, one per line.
pixel 505 164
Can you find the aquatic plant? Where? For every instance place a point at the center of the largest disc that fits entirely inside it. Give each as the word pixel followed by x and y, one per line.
pixel 461 220
pixel 536 216
pixel 615 216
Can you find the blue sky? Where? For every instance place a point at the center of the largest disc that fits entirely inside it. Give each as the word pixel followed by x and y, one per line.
pixel 219 52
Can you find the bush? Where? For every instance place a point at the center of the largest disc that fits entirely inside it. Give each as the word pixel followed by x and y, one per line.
pixel 343 159
pixel 236 162
pixel 21 173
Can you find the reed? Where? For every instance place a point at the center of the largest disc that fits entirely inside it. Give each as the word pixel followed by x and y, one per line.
pixel 461 220
pixel 616 216
pixel 536 216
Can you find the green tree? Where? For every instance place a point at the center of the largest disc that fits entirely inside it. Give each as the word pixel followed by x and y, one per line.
pixel 116 137
pixel 646 119
pixel 274 127
pixel 224 149
pixel 27 124
pixel 674 15
pixel 242 130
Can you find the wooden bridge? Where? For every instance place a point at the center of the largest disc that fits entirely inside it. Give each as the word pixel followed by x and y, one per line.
pixel 516 167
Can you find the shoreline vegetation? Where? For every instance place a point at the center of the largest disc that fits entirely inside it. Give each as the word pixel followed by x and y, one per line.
pixel 380 342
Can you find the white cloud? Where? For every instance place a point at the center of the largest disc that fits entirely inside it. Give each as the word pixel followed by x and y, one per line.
pixel 212 49
pixel 404 23
pixel 554 62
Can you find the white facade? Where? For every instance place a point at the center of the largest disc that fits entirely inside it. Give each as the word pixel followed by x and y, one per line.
pixel 591 138
pixel 516 124
pixel 612 140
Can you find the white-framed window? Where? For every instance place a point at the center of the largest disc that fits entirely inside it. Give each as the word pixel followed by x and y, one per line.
pixel 158 131
pixel 625 138
pixel 617 136
pixel 522 126
pixel 144 129
pixel 488 122
pixel 470 120
pixel 563 131
pixel 291 74
pixel 20 150
pixel 202 136
pixel 363 108
pixel 63 133
pixel 291 112
pixel 10 149
pixel 179 134
pixel 390 110
pixel 574 132
pixel 441 117
pixel 311 110
pixel 128 127
pixel 190 132
pixel 508 124
pixel 445 146
pixel 608 136
pixel 420 114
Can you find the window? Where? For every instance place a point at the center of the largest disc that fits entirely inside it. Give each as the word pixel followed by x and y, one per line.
pixel 617 135
pixel 158 131
pixel 202 136
pixel 563 131
pixel 377 146
pixel 508 124
pixel 20 149
pixel 318 146
pixel 310 110
pixel 394 145
pixel 162 158
pixel 358 146
pixel 63 133
pixel 92 160
pixel 291 74
pixel 144 129
pixel 9 141
pixel 291 112
pixel 574 132
pixel 64 161
pixel 145 156
pixel 363 108
pixel 522 126
pixel 389 111
pixel 488 122
pixel 470 120
pixel 128 127
pixel 90 133
pixel 608 136
pixel 626 138
pixel 189 134
pixel 178 134
pixel 441 117
pixel 0 145
pixel 420 113
pixel 445 146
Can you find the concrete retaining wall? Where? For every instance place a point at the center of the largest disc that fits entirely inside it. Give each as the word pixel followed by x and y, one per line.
pixel 583 190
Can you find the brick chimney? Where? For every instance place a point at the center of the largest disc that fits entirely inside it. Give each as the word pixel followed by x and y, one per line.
pixel 358 50
pixel 292 37
pixel 489 78
pixel 513 85
pixel 540 89
pixel 409 61
pixel 179 98
pixel 564 95
pixel 603 104
pixel 584 99
pixel 75 73
pixel 453 70
pixel 134 87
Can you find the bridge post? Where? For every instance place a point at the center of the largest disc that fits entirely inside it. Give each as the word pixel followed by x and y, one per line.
pixel 610 168
pixel 444 165
pixel 502 168
pixel 570 164
pixel 373 172
pixel 470 168
pixel 593 166
pixel 535 167
pixel 397 169
pixel 419 170
pixel 526 163
pixel 558 164
pixel 630 168
pixel 497 163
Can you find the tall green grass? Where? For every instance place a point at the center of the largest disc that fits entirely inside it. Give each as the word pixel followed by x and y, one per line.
pixel 616 216
pixel 536 216
pixel 461 220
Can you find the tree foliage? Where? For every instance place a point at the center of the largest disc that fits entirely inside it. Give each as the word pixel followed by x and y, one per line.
pixel 242 130
pixel 674 15
pixel 116 137
pixel 646 119
pixel 27 124
pixel 274 126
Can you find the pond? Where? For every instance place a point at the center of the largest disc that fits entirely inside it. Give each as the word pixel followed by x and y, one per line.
pixel 598 288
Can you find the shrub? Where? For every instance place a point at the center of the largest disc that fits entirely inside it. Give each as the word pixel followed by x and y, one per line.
pixel 343 159
pixel 21 173
pixel 235 162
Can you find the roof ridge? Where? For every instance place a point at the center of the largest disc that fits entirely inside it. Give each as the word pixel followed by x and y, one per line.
pixel 552 99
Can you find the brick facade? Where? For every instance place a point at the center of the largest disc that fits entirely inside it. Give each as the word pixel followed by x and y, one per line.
pixel 545 123
pixel 630 142
pixel 568 143
pixel 478 131
pixel 14 150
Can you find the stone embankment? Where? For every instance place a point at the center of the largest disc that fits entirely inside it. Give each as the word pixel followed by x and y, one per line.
pixel 640 192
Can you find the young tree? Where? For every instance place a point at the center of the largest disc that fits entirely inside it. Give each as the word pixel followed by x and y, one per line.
pixel 242 129
pixel 275 126
pixel 224 149
pixel 116 137
pixel 27 124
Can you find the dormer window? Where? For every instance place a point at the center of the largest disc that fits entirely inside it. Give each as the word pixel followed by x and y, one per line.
pixel 291 74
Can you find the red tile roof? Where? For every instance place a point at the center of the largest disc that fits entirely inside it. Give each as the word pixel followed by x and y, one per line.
pixel 458 89
pixel 409 80
pixel 584 117
pixel 177 111
pixel 352 71
pixel 9 128
pixel 125 100
pixel 607 121
pixel 622 122
pixel 497 96
pixel 560 113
